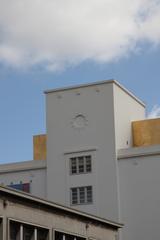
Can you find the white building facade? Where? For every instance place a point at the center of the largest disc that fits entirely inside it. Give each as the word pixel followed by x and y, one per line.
pixel 92 164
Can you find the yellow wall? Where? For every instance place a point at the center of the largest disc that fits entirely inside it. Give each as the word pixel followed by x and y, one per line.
pixel 146 132
pixel 39 147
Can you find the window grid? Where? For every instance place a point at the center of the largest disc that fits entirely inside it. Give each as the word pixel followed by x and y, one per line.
pixel 23 231
pixel 81 195
pixel 81 164
pixel 73 165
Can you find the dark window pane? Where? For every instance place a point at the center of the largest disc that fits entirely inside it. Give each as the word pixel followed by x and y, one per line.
pixel 74 196
pixel 74 170
pixel 89 194
pixel 82 195
pixel 88 164
pixel 14 231
pixel 73 165
pixel 28 232
pixel 58 236
pixel 42 234
pixel 81 164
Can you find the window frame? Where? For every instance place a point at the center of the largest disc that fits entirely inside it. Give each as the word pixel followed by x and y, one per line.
pixel 21 222
pixel 83 165
pixel 78 202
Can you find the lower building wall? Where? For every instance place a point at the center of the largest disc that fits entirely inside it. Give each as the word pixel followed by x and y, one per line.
pixel 139 182
pixel 52 221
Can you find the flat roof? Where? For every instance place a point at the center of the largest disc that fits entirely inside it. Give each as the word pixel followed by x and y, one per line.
pixel 110 81
pixel 27 197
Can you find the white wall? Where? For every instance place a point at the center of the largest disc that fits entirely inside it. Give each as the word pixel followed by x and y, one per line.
pixel 139 180
pixel 126 110
pixel 96 104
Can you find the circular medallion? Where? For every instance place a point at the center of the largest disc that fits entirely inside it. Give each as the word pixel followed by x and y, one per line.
pixel 79 121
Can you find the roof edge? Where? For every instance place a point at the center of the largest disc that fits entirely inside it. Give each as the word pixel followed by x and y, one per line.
pixel 78 86
pixel 113 81
pixel 129 93
pixel 22 166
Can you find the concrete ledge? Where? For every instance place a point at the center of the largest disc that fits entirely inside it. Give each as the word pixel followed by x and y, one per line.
pixel 138 152
pixel 22 166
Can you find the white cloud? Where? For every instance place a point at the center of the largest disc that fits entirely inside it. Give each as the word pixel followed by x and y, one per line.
pixel 60 33
pixel 155 112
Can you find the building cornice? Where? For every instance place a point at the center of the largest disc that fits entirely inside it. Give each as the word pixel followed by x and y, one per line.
pixel 23 166
pixel 138 152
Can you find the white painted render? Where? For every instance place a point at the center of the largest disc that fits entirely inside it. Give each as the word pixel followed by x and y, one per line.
pixel 139 181
pixel 126 110
pixel 95 103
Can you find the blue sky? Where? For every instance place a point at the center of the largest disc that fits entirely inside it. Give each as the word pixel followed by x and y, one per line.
pixel 130 55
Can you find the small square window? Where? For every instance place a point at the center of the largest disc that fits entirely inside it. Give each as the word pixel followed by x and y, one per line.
pixel 81 164
pixel 81 195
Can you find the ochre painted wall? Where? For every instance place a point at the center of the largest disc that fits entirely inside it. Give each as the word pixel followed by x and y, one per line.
pixel 39 147
pixel 146 132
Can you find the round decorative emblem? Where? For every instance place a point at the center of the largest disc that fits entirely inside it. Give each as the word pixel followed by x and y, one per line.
pixel 79 121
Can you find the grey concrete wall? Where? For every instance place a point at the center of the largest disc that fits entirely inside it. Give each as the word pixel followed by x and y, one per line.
pixel 96 104
pixel 139 180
